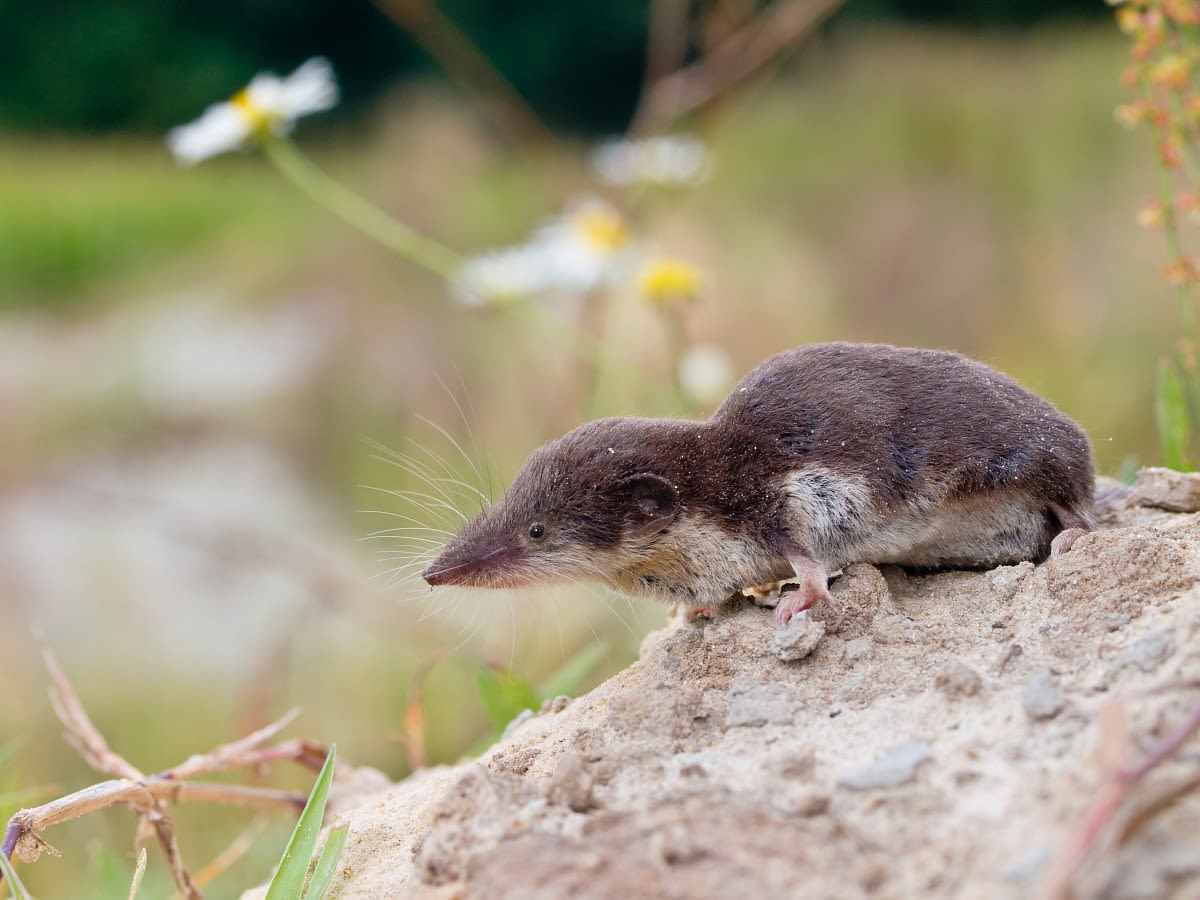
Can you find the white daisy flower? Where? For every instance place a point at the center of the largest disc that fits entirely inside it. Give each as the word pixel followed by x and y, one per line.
pixel 268 104
pixel 673 159
pixel 498 276
pixel 573 254
pixel 585 248
pixel 706 374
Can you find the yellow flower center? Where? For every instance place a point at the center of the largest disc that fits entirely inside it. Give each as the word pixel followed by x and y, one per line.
pixel 257 117
pixel 602 228
pixel 670 281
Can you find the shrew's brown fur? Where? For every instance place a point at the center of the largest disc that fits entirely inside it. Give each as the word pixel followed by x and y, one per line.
pixel 827 454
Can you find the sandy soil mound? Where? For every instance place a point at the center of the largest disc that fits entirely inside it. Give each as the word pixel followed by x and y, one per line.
pixel 934 736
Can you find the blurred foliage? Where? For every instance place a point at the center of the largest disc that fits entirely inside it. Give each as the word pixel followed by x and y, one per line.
pixel 506 694
pixel 71 220
pixel 1164 84
pixel 149 64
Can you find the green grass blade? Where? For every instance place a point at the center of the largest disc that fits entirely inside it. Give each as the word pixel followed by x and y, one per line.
pixel 288 883
pixel 1172 414
pixel 137 874
pixel 327 863
pixel 1189 380
pixel 10 878
pixel 568 678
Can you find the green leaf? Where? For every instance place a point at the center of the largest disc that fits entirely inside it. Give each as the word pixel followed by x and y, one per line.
pixel 288 883
pixel 568 678
pixel 1174 426
pixel 10 878
pixel 505 695
pixel 327 863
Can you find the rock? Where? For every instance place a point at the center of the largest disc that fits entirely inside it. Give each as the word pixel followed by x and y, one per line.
pixel 857 649
pixel 958 680
pixel 1006 580
pixel 1167 489
pixel 710 768
pixel 1041 698
pixel 898 765
pixel 754 705
pixel 798 638
pixel 1148 653
pixel 572 783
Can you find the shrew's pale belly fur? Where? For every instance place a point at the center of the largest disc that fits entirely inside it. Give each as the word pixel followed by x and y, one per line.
pixel 834 514
pixel 698 563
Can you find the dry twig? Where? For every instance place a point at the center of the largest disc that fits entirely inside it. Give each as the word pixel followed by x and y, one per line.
pixel 231 854
pixel 778 28
pixel 438 36
pixel 413 735
pixel 1112 756
pixel 148 795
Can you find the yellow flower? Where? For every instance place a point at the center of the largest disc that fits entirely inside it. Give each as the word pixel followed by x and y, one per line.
pixel 670 282
pixel 269 104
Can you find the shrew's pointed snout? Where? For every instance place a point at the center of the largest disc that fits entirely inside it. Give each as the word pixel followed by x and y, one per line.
pixel 437 574
pixel 472 567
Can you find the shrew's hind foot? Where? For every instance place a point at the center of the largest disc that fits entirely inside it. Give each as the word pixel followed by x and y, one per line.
pixel 813 589
pixel 1074 527
pixel 1065 540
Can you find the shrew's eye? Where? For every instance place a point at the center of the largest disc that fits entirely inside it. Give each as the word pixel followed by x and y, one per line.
pixel 537 531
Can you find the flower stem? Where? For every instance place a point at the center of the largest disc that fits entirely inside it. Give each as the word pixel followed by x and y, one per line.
pixel 369 219
pixel 677 344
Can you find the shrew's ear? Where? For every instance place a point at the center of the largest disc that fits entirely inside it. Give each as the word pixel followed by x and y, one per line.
pixel 652 505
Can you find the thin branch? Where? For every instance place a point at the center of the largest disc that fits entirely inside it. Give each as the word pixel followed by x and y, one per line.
pixel 232 755
pixel 776 29
pixel 149 797
pixel 1119 779
pixel 413 735
pixel 81 733
pixel 666 46
pixel 438 36
pixel 224 860
pixel 165 832
pixel 23 836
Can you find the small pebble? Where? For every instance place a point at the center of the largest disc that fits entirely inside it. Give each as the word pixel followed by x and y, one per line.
pixel 1042 698
pixel 897 766
pixel 1150 652
pixel 1030 866
pixel 755 705
pixel 797 639
pixel 958 680
pixel 1006 580
pixel 856 649
pixel 522 717
pixel 571 783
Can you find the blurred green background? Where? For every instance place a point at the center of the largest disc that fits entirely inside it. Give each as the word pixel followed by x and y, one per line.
pixel 198 367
